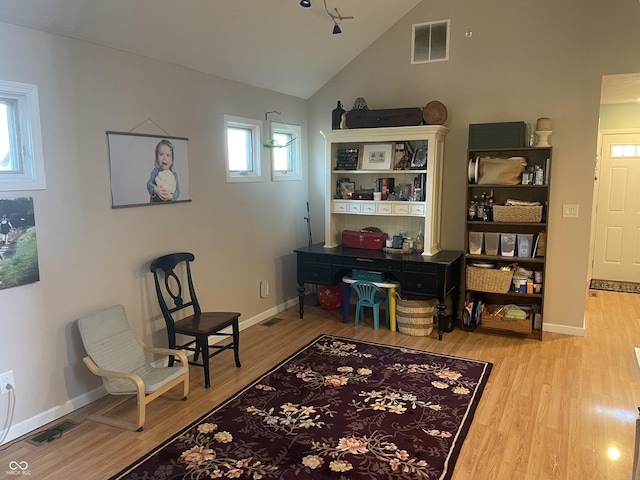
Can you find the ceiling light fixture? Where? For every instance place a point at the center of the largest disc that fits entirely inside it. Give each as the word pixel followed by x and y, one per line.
pixel 335 17
pixel 305 3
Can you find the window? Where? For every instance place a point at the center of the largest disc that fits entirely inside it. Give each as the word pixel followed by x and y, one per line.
pixel 21 160
pixel 625 151
pixel 243 145
pixel 285 151
pixel 430 42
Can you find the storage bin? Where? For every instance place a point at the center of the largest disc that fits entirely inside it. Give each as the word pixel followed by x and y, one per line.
pixel 525 243
pixel 415 317
pixel 493 280
pixel 508 244
pixel 493 316
pixel 517 213
pixel 497 135
pixel 491 243
pixel 475 242
pixel 519 285
pixel 366 275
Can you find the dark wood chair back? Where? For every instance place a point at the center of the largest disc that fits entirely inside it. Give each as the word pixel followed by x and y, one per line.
pixel 183 316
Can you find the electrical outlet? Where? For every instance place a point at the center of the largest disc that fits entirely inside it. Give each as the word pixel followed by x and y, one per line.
pixel 264 288
pixel 6 379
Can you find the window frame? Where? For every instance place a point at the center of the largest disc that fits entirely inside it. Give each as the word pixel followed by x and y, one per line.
pixel 627 150
pixel 294 152
pixel 255 128
pixel 27 135
pixel 416 47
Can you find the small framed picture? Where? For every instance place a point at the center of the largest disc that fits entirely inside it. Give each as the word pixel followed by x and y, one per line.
pixel 376 156
pixel 419 160
pixel 347 189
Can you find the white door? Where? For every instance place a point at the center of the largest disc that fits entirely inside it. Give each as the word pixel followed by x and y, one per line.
pixel 617 232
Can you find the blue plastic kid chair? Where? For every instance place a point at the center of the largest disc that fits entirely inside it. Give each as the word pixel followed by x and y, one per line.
pixel 367 298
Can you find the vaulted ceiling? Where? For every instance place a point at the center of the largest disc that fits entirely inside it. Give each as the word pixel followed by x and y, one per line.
pixel 273 44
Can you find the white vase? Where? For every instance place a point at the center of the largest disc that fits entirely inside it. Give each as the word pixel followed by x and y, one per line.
pixel 543 138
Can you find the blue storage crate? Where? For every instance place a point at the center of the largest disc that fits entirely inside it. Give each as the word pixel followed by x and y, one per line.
pixel 367 275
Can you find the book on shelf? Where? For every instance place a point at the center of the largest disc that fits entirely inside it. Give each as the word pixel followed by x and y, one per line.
pixel 541 245
pixel 385 185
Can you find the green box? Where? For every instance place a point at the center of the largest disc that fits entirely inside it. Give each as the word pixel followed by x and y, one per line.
pixel 368 276
pixel 497 135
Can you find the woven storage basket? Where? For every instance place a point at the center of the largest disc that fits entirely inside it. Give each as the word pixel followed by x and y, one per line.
pixel 517 213
pixel 415 317
pixel 492 280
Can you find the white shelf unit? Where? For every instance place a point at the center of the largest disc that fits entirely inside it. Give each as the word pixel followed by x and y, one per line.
pixel 389 216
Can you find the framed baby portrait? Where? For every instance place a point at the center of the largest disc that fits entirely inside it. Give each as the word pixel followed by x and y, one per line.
pixel 147 169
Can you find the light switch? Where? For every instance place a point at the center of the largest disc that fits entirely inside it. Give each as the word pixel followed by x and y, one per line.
pixel 570 210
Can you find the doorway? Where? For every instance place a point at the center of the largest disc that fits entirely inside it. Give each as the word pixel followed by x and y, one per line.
pixel 615 254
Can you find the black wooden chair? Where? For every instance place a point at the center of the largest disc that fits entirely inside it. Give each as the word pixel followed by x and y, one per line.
pixel 197 324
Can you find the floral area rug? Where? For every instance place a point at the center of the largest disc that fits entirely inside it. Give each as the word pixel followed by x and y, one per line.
pixel 338 408
pixel 613 286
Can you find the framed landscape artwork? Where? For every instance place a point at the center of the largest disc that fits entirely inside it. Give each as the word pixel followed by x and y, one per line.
pixel 18 245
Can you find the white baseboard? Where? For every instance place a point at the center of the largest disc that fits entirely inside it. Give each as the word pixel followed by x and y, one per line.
pixel 54 413
pixel 80 401
pixel 564 329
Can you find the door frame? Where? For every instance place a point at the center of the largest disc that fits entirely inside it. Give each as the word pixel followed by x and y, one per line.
pixel 596 189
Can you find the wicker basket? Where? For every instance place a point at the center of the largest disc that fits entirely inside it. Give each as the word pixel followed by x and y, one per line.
pixel 517 213
pixel 415 317
pixel 492 280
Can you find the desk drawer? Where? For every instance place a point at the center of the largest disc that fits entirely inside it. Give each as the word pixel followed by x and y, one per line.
pixel 428 268
pixel 314 273
pixel 379 265
pixel 420 284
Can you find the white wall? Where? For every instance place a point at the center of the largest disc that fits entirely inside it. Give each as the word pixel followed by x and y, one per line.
pixel 92 256
pixel 525 60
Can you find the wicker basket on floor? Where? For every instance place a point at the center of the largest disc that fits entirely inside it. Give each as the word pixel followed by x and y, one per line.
pixel 415 317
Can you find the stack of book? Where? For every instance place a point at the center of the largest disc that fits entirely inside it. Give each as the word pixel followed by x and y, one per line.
pixel 347 159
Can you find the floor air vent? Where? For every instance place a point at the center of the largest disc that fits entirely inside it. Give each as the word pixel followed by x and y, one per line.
pixel 51 433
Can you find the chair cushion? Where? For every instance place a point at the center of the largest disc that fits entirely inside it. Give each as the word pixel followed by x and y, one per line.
pixel 152 377
pixel 112 345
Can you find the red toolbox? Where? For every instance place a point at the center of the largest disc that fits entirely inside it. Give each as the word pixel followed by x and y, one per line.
pixel 370 240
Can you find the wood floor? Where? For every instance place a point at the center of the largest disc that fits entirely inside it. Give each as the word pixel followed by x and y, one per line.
pixel 561 408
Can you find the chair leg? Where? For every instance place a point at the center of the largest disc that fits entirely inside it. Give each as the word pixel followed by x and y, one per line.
pixel 357 317
pixel 387 311
pixel 204 348
pixel 376 316
pixel 102 417
pixel 236 342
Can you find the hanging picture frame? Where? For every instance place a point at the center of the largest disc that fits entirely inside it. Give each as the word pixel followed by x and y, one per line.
pixel 148 169
pixel 18 245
